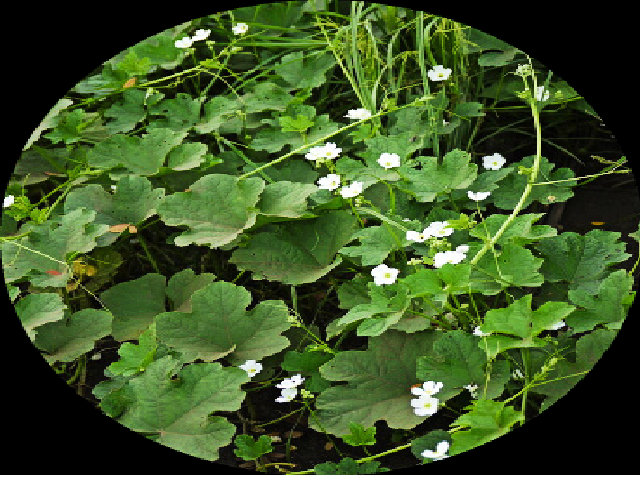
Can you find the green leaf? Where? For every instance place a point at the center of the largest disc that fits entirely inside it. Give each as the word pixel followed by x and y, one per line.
pixel 76 125
pixel 218 111
pixel 140 155
pixel 135 358
pixel 179 411
pixel 581 260
pixel 298 124
pixel 376 243
pixel 183 284
pixel 519 320
pixel 605 307
pixel 456 361
pixel 299 253
pixel 232 332
pixel 348 466
pixel 302 70
pixel 378 385
pixel 304 361
pixel 286 199
pixel 127 113
pixel 216 209
pixel 486 421
pixel 566 374
pixel 510 189
pixel 36 309
pixel 134 304
pixel 186 156
pixel 514 266
pixel 47 246
pixel 250 449
pixel 521 231
pixel 454 172
pixel 180 114
pixel 360 436
pixel 66 340
pixel 133 201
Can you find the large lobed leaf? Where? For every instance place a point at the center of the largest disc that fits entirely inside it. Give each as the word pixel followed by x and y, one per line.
pixel 379 383
pixel 179 411
pixel 216 209
pixel 297 253
pixel 218 325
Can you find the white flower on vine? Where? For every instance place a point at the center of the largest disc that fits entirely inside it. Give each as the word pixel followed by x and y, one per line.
pixel 383 275
pixel 424 405
pixel 462 248
pixel 251 367
pixel 240 28
pixel 291 382
pixel 493 162
pixel 451 256
pixel 418 236
pixel 8 201
pixel 439 229
pixel 287 394
pixel 439 453
pixel 330 182
pixel 438 73
pixel 358 114
pixel 352 190
pixel 201 34
pixel 478 196
pixel 185 42
pixel 428 388
pixel 389 160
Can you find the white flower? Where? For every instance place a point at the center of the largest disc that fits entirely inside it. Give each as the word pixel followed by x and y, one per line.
pixel 291 382
pixel 417 236
pixel 427 389
pixel 201 34
pixel 240 28
pixel 383 275
pixel 451 256
pixel 479 333
pixel 439 229
pixel 389 160
pixel 493 162
pixel 287 394
pixel 358 114
pixel 330 182
pixel 438 73
pixel 331 151
pixel 478 196
pixel 439 454
pixel 557 326
pixel 184 43
pixel 352 190
pixel 517 374
pixel 328 151
pixel 8 201
pixel 315 153
pixel 424 405
pixel 462 248
pixel 542 95
pixel 251 367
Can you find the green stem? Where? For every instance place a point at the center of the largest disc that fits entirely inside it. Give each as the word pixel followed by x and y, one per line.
pixel 143 244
